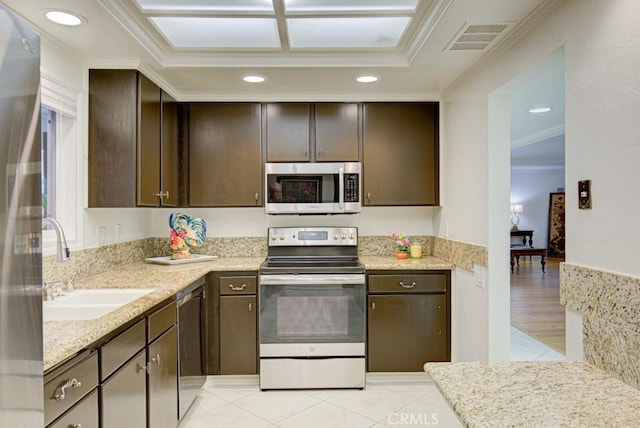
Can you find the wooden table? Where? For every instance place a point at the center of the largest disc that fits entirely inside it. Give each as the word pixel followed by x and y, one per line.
pixel 524 234
pixel 517 251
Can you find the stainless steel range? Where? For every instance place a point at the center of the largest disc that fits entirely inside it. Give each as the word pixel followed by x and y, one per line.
pixel 312 310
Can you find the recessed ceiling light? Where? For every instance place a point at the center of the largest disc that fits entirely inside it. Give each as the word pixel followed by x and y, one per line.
pixel 367 78
pixel 539 110
pixel 64 17
pixel 254 78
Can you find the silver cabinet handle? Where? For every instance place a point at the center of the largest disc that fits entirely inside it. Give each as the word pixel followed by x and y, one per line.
pixel 166 194
pixel 305 154
pixel 320 154
pixel 156 359
pixel 403 285
pixel 250 306
pixel 162 194
pixel 146 368
pixel 369 196
pixel 61 390
pixel 256 196
pixel 373 306
pixel 76 425
pixel 234 288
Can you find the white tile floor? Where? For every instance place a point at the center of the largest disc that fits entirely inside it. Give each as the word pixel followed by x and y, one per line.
pixel 411 400
pixel 526 348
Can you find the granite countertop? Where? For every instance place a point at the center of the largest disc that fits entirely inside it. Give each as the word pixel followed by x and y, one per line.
pixel 536 394
pixel 64 339
pixel 391 263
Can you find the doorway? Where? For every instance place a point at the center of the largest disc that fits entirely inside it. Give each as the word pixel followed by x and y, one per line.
pixel 537 318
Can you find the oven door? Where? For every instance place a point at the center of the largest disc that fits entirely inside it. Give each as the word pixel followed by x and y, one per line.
pixel 312 315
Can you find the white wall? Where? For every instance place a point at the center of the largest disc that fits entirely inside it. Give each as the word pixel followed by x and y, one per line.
pixel 601 41
pixel 531 188
pixel 229 222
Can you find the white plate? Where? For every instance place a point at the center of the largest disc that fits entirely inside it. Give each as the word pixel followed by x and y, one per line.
pixel 167 260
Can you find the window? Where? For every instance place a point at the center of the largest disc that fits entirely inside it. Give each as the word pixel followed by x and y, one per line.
pixel 48 155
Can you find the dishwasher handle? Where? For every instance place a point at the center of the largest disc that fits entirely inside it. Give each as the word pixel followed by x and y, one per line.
pixel 192 291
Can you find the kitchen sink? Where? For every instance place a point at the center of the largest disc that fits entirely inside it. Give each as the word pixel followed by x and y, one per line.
pixel 89 304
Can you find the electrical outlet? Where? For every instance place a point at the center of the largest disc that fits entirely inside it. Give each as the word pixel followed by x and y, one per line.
pixel 101 232
pixel 478 273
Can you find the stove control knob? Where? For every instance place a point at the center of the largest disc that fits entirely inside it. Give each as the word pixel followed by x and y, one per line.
pixel 274 237
pixel 343 236
pixel 351 235
pixel 282 236
pixel 335 236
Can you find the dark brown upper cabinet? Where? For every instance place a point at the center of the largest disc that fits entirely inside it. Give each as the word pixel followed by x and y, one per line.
pixel 336 126
pixel 303 132
pixel 132 141
pixel 400 154
pixel 225 155
pixel 288 132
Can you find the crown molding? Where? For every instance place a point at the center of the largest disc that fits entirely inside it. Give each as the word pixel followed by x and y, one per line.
pixel 429 22
pixel 545 134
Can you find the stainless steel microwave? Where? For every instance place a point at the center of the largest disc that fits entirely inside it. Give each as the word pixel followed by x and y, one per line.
pixel 313 188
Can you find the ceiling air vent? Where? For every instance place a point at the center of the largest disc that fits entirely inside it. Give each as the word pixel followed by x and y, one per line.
pixel 476 37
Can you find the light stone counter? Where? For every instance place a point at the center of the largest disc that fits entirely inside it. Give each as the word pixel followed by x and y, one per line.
pixel 64 339
pixel 391 263
pixel 536 394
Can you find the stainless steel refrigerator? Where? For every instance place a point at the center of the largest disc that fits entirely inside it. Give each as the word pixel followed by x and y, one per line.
pixel 21 395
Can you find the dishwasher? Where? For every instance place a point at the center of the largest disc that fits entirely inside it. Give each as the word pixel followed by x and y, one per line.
pixel 191 343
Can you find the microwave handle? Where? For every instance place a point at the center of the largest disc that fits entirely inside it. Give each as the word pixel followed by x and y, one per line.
pixel 341 188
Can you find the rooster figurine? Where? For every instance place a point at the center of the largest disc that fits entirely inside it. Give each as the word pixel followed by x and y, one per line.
pixel 187 233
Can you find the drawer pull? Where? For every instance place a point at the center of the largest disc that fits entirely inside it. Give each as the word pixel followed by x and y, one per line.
pixel 146 368
pixel 403 285
pixel 234 288
pixel 76 425
pixel 70 383
pixel 156 359
pixel 373 306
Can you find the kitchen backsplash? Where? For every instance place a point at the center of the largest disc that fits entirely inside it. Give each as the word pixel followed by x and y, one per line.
pixel 92 261
pixel 610 306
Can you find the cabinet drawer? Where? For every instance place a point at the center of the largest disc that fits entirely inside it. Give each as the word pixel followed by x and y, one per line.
pixel 230 285
pixel 84 414
pixel 118 350
pixel 84 372
pixel 408 283
pixel 161 320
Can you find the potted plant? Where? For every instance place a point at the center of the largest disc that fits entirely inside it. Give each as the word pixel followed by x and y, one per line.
pixel 401 244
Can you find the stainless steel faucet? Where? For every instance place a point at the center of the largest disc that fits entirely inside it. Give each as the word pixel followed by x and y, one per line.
pixel 62 249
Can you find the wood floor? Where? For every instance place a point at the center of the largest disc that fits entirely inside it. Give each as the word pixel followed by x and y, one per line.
pixel 535 302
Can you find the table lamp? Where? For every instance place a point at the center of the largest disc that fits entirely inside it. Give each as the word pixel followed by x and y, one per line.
pixel 515 218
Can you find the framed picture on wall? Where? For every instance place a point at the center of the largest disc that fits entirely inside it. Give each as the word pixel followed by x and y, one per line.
pixel 555 237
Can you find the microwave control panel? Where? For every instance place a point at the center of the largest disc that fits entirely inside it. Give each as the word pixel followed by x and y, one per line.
pixel 351 187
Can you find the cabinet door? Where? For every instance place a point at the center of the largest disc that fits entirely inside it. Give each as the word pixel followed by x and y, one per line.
pixel 400 153
pixel 288 132
pixel 84 414
pixel 336 132
pixel 406 331
pixel 225 155
pixel 124 397
pixel 163 381
pixel 238 335
pixel 148 142
pixel 112 138
pixel 169 152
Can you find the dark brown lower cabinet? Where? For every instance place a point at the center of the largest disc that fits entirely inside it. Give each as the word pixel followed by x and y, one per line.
pixel 83 415
pixel 124 395
pixel 408 321
pixel 163 381
pixel 238 339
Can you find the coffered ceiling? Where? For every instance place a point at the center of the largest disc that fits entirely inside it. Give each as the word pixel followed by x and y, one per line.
pixel 199 50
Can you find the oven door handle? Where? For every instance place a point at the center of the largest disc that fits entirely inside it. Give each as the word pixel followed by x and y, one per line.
pixel 316 279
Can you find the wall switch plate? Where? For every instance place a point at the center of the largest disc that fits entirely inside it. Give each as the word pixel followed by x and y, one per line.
pixel 584 194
